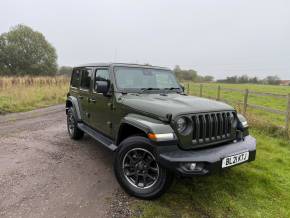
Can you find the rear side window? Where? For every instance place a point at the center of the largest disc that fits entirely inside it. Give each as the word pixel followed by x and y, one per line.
pixel 86 78
pixel 75 78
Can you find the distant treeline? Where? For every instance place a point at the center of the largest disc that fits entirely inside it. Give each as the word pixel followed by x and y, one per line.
pixel 191 75
pixel 271 80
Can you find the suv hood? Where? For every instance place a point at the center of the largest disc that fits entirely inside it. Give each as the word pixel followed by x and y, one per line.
pixel 175 104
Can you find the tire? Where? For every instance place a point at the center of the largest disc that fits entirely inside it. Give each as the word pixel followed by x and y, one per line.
pixel 72 128
pixel 136 160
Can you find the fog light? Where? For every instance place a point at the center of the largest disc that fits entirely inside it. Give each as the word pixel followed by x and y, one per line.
pixel 190 166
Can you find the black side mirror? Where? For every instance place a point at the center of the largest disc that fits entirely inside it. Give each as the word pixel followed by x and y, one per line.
pixel 102 87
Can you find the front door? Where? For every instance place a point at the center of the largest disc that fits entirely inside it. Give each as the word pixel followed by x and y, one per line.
pixel 100 105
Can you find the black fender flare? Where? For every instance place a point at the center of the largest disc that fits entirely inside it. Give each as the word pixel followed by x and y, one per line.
pixel 73 101
pixel 145 124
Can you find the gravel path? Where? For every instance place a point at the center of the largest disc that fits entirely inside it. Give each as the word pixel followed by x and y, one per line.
pixel 43 173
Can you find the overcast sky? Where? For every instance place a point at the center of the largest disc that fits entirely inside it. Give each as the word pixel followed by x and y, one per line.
pixel 220 38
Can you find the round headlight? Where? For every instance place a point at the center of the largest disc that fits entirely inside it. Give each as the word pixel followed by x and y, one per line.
pixel 242 120
pixel 181 124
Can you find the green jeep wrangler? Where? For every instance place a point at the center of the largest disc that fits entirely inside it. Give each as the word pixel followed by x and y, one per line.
pixel 155 130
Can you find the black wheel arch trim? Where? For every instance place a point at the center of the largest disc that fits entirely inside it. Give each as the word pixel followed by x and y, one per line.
pixel 71 100
pixel 145 124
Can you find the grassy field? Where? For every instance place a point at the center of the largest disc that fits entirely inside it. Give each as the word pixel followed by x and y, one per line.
pixel 26 93
pixel 257 189
pixel 210 89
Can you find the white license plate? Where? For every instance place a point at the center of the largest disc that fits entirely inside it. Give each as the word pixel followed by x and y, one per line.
pixel 235 159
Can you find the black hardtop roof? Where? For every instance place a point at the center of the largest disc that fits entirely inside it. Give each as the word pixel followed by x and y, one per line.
pixel 121 65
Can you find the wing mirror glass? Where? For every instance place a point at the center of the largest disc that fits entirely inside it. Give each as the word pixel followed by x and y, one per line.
pixel 102 87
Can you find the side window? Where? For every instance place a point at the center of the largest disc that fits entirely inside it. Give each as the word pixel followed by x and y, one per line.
pixel 102 75
pixel 75 78
pixel 86 78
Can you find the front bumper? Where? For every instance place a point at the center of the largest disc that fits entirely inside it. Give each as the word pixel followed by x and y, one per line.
pixel 209 159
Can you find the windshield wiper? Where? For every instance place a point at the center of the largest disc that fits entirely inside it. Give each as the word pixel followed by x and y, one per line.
pixel 173 88
pixel 148 89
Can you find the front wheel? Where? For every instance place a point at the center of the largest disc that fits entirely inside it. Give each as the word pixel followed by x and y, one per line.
pixel 137 170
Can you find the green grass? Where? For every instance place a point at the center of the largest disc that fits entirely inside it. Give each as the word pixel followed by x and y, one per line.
pixel 210 89
pixel 257 189
pixel 42 93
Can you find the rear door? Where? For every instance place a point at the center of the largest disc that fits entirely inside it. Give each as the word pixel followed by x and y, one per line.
pixel 84 93
pixel 100 105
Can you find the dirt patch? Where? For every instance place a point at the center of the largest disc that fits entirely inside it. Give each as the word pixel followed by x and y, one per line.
pixel 43 173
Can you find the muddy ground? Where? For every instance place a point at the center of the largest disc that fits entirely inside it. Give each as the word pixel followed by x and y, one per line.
pixel 43 173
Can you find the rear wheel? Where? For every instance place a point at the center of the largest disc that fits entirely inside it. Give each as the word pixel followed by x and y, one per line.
pixel 137 170
pixel 73 130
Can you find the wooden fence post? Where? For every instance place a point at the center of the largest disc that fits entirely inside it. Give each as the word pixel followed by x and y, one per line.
pixel 219 93
pixel 200 90
pixel 288 116
pixel 246 101
pixel 188 88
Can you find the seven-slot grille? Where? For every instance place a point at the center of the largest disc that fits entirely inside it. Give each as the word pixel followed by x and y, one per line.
pixel 212 127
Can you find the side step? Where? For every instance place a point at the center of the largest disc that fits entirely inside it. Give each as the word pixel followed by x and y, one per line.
pixel 98 136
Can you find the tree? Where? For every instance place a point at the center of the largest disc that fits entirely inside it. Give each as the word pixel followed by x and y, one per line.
pixel 65 70
pixel 254 80
pixel 192 75
pixel 272 80
pixel 25 51
pixel 177 71
pixel 243 79
pixel 208 78
pixel 177 68
pixel 185 74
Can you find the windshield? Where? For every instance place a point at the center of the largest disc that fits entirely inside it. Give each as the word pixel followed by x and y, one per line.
pixel 132 78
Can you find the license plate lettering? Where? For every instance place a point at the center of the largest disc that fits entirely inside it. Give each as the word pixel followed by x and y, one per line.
pixel 235 159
